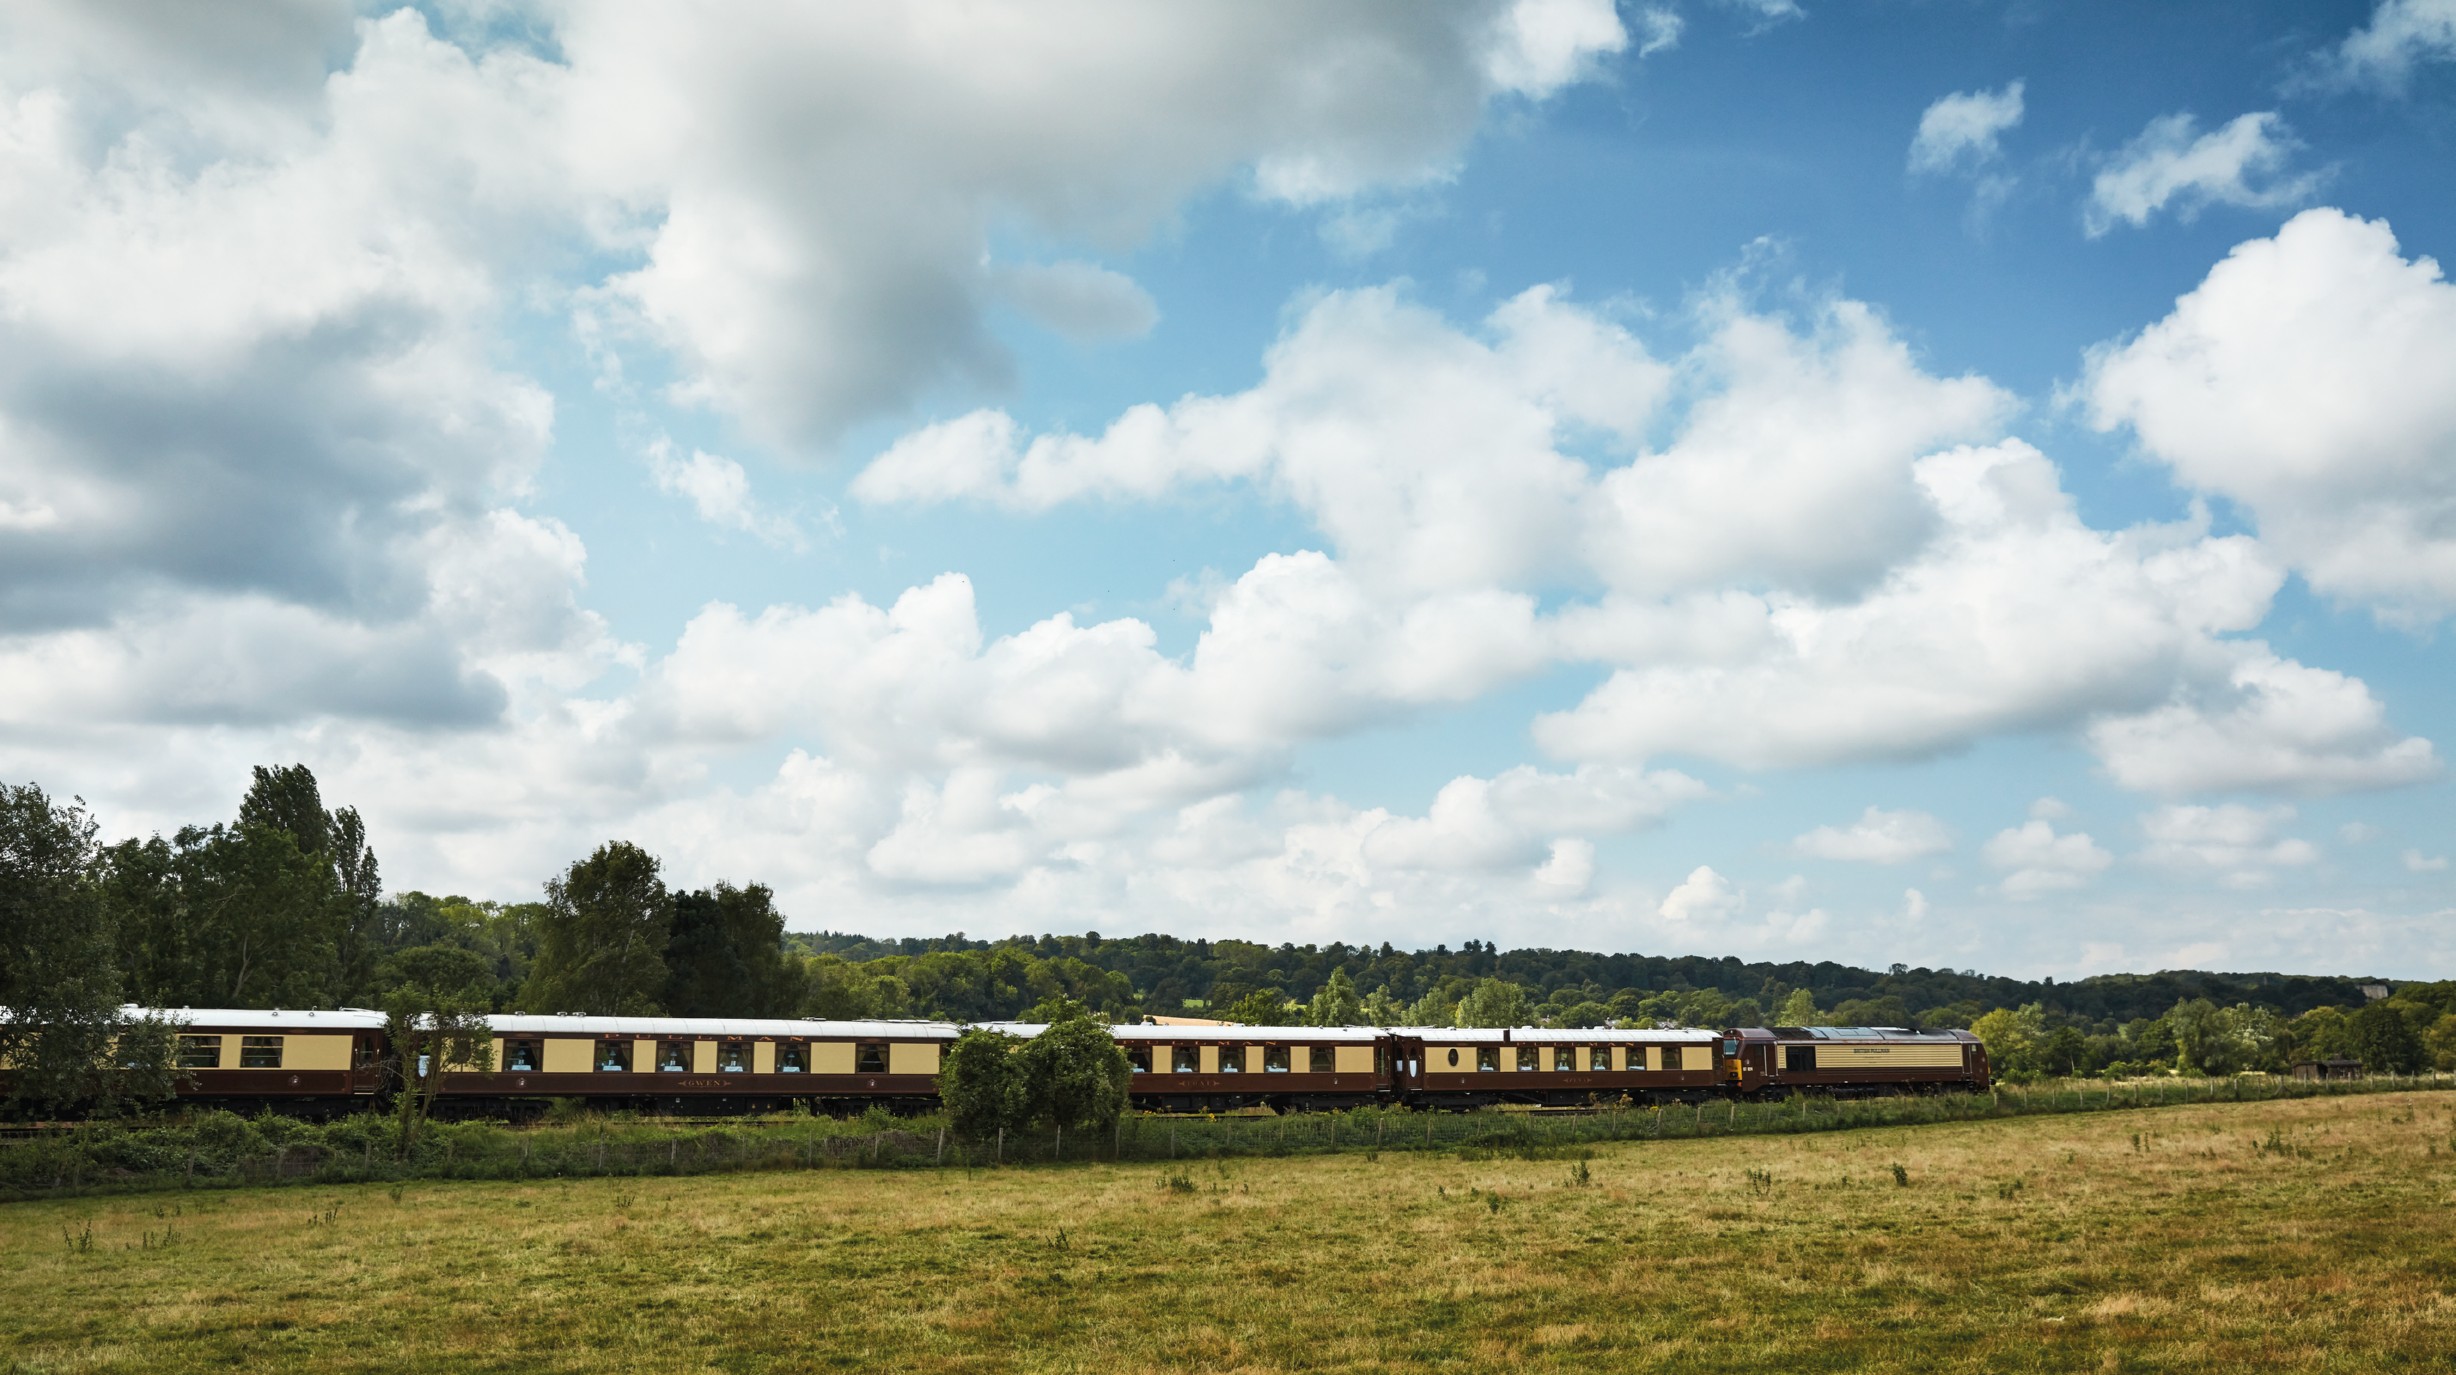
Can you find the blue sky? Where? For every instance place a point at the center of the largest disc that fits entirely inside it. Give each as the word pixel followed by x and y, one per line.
pixel 1956 483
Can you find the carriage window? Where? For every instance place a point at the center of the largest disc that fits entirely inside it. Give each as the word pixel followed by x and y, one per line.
pixel 870 1057
pixel 1381 1059
pixel 260 1052
pixel 520 1057
pixel 1453 1059
pixel 1599 1059
pixel 792 1057
pixel 732 1057
pixel 1188 1060
pixel 673 1057
pixel 1274 1059
pixel 1529 1059
pixel 1320 1060
pixel 367 1051
pixel 1138 1058
pixel 1488 1057
pixel 613 1057
pixel 1799 1057
pixel 1232 1059
pixel 1564 1058
pixel 200 1052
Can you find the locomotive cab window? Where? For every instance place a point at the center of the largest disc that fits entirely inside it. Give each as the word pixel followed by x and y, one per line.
pixel 733 1057
pixel 792 1057
pixel 260 1052
pixel 200 1052
pixel 1138 1059
pixel 1232 1059
pixel 1188 1059
pixel 673 1057
pixel 521 1057
pixel 1529 1059
pixel 1274 1059
pixel 1799 1058
pixel 613 1057
pixel 1488 1057
pixel 1320 1060
pixel 870 1057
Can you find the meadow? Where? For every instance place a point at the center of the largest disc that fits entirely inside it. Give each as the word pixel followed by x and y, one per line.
pixel 2300 1235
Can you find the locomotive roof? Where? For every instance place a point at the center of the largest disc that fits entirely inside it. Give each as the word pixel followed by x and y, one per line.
pixel 573 1024
pixel 1855 1033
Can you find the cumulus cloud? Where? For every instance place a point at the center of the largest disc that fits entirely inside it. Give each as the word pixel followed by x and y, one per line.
pixel 1961 132
pixel 2306 379
pixel 2418 863
pixel 2036 860
pixel 719 491
pixel 2013 616
pixel 2239 845
pixel 1083 301
pixel 805 269
pixel 1703 896
pixel 2402 35
pixel 1878 837
pixel 2273 725
pixel 2170 164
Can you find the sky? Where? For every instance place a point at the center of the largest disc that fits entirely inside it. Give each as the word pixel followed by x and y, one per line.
pixel 1931 481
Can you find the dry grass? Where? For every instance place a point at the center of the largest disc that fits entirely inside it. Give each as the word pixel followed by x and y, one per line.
pixel 2311 1235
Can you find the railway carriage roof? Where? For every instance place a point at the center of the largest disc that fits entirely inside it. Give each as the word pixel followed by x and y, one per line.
pixel 1546 1036
pixel 708 1028
pixel 266 1019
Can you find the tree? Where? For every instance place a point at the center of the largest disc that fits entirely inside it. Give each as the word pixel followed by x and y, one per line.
pixel 1336 1004
pixel 1799 1009
pixel 1493 1003
pixel 601 941
pixel 1075 1075
pixel 62 1034
pixel 2385 1040
pixel 725 957
pixel 1262 1007
pixel 982 1084
pixel 2012 1038
pixel 435 1000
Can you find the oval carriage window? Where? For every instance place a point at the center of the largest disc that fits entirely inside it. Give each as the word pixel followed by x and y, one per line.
pixel 1453 1059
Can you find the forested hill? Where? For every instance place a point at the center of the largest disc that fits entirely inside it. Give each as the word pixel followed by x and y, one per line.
pixel 1168 975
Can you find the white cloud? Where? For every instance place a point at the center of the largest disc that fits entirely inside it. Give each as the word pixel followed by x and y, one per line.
pixel 2013 616
pixel 2306 378
pixel 810 192
pixel 1703 896
pixel 2402 35
pixel 1663 26
pixel 2242 164
pixel 1568 870
pixel 1962 131
pixel 1510 819
pixel 2273 725
pixel 1082 301
pixel 2418 863
pixel 719 491
pixel 1878 837
pixel 2037 861
pixel 2238 844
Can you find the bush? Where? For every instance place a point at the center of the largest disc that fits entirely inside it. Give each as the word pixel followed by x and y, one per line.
pixel 1075 1075
pixel 982 1084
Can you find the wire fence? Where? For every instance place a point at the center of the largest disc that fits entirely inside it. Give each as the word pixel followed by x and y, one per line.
pixel 221 1150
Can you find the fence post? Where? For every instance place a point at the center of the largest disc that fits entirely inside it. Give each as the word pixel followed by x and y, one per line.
pixel 942 1145
pixel 1001 1145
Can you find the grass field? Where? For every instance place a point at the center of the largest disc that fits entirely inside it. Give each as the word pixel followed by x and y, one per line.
pixel 2302 1235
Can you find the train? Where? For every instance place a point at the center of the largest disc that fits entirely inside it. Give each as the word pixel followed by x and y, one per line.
pixel 339 1061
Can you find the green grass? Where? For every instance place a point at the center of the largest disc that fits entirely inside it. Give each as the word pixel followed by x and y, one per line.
pixel 2303 1235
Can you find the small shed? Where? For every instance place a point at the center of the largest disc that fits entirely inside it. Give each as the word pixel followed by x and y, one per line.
pixel 2328 1069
